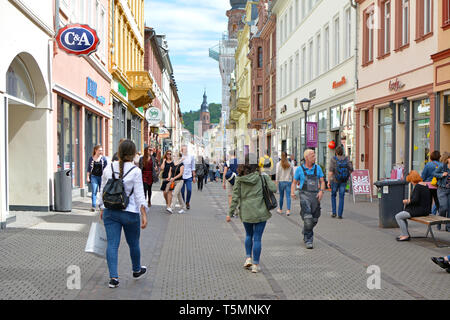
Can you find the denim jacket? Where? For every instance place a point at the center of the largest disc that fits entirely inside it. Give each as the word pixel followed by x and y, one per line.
pixel 429 170
pixel 439 175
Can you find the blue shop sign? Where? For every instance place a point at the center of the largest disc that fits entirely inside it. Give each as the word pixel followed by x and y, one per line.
pixel 91 89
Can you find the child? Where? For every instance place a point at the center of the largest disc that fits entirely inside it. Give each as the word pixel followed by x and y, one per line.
pixel 217 174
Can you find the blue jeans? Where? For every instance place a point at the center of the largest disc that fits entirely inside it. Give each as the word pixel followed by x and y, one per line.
pixel 254 232
pixel 285 186
pixel 96 183
pixel 335 186
pixel 188 184
pixel 114 221
pixel 444 203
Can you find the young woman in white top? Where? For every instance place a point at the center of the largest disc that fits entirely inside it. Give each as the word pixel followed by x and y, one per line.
pixel 132 219
pixel 284 176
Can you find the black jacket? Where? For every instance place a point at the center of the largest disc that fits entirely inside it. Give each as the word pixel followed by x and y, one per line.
pixel 420 204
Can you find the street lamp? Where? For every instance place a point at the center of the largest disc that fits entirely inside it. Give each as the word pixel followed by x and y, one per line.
pixel 306 104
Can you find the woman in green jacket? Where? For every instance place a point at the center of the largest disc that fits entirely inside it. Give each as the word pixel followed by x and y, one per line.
pixel 247 191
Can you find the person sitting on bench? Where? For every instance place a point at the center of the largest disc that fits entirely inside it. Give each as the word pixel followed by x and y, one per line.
pixel 418 206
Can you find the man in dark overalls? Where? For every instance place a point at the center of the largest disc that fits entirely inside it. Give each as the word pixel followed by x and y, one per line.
pixel 310 178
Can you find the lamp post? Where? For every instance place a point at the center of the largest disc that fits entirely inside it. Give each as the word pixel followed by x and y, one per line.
pixel 306 104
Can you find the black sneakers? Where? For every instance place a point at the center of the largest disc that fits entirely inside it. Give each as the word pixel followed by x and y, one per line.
pixel 113 283
pixel 138 275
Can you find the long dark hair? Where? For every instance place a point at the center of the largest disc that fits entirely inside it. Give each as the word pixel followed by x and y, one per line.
pixel 284 161
pixel 147 156
pixel 127 152
pixel 249 166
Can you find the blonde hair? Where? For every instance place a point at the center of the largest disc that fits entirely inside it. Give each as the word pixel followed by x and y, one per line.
pixel 307 153
pixel 444 157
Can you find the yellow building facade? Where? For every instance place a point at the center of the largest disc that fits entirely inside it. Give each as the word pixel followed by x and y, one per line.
pixel 240 111
pixel 131 87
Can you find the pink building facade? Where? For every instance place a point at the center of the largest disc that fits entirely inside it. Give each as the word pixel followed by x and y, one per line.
pixel 81 95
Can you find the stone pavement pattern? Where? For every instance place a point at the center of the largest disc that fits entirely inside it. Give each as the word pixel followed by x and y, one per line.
pixel 199 256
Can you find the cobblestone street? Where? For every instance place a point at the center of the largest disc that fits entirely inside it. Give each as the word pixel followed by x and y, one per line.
pixel 199 255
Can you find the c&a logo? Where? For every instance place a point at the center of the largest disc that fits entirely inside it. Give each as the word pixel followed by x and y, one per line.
pixel 77 39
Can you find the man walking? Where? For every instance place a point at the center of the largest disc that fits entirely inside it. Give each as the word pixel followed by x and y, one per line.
pixel 338 175
pixel 311 182
pixel 188 175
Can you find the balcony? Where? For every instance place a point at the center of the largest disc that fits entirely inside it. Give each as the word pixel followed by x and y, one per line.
pixel 243 104
pixel 141 92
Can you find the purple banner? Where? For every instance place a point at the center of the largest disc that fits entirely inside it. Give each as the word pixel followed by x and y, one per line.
pixel 311 135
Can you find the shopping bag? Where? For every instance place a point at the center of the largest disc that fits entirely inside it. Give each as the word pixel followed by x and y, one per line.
pixel 97 243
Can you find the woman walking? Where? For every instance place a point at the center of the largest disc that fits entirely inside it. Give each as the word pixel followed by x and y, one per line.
pixel 132 219
pixel 200 170
pixel 146 166
pixel 418 206
pixel 166 167
pixel 97 163
pixel 442 174
pixel 284 176
pixel 248 192
pixel 177 179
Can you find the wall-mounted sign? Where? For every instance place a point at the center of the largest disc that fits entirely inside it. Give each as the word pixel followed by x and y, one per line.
pixel 283 109
pixel 153 116
pixel 121 89
pixel 77 39
pixel 311 134
pixel 396 85
pixel 312 94
pixel 337 84
pixel 91 90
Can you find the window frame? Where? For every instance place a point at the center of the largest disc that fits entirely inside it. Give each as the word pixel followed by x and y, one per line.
pixel 445 14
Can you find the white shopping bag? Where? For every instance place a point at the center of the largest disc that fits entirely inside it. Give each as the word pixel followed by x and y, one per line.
pixel 97 243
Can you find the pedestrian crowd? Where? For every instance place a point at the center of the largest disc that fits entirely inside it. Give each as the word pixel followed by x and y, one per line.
pixel 250 186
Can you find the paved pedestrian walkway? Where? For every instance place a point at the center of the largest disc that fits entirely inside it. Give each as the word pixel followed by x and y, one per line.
pixel 198 255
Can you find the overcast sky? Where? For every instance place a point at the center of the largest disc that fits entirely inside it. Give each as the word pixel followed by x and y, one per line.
pixel 191 28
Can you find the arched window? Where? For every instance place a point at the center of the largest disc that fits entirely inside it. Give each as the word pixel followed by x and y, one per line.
pixel 18 81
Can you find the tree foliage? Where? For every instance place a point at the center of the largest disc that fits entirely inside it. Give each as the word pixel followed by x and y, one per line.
pixel 190 117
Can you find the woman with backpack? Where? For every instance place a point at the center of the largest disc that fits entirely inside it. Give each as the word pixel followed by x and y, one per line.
pixel 248 193
pixel 442 175
pixel 428 176
pixel 129 214
pixel 339 172
pixel 284 176
pixel 97 163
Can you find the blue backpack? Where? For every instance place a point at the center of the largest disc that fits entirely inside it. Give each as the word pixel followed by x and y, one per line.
pixel 342 173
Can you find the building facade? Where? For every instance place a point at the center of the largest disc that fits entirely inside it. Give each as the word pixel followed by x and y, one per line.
pixel 263 74
pixel 81 93
pixel 396 105
pixel 316 44
pixel 26 117
pixel 441 61
pixel 131 86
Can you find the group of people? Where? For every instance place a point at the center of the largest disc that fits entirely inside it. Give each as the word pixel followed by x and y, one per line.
pixel 247 181
pixel 137 173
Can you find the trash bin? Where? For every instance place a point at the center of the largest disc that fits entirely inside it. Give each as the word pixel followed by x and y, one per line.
pixel 63 191
pixel 390 195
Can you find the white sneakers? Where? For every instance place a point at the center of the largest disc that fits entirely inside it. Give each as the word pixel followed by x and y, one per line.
pixel 248 263
pixel 169 210
pixel 181 211
pixel 253 267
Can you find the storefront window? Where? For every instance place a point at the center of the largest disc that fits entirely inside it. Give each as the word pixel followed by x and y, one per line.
pixel 401 113
pixel 447 109
pixel 323 120
pixel 421 134
pixel 335 118
pixel 322 147
pixel 385 143
pixel 68 135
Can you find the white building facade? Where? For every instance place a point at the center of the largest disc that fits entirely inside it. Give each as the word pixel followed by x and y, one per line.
pixel 26 130
pixel 316 45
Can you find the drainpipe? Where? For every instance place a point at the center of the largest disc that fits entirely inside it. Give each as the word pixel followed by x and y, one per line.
pixel 354 5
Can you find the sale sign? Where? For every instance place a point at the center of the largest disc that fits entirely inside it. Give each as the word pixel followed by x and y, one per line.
pixel 361 182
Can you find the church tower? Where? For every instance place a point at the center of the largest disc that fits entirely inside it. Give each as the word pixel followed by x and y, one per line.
pixel 204 114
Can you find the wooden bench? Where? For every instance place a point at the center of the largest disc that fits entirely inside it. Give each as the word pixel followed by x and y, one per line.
pixel 430 221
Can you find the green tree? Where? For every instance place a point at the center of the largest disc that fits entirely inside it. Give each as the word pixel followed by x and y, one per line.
pixel 190 117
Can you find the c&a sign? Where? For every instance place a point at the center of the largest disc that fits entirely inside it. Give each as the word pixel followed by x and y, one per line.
pixel 77 39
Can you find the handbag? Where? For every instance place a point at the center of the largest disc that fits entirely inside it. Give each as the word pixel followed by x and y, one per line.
pixel 172 186
pixel 269 197
pixel 97 243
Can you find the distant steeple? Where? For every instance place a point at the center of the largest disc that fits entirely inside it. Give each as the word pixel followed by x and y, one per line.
pixel 204 107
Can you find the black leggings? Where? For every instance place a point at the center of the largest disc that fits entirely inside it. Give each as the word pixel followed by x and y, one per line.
pixel 200 182
pixel 435 198
pixel 148 190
